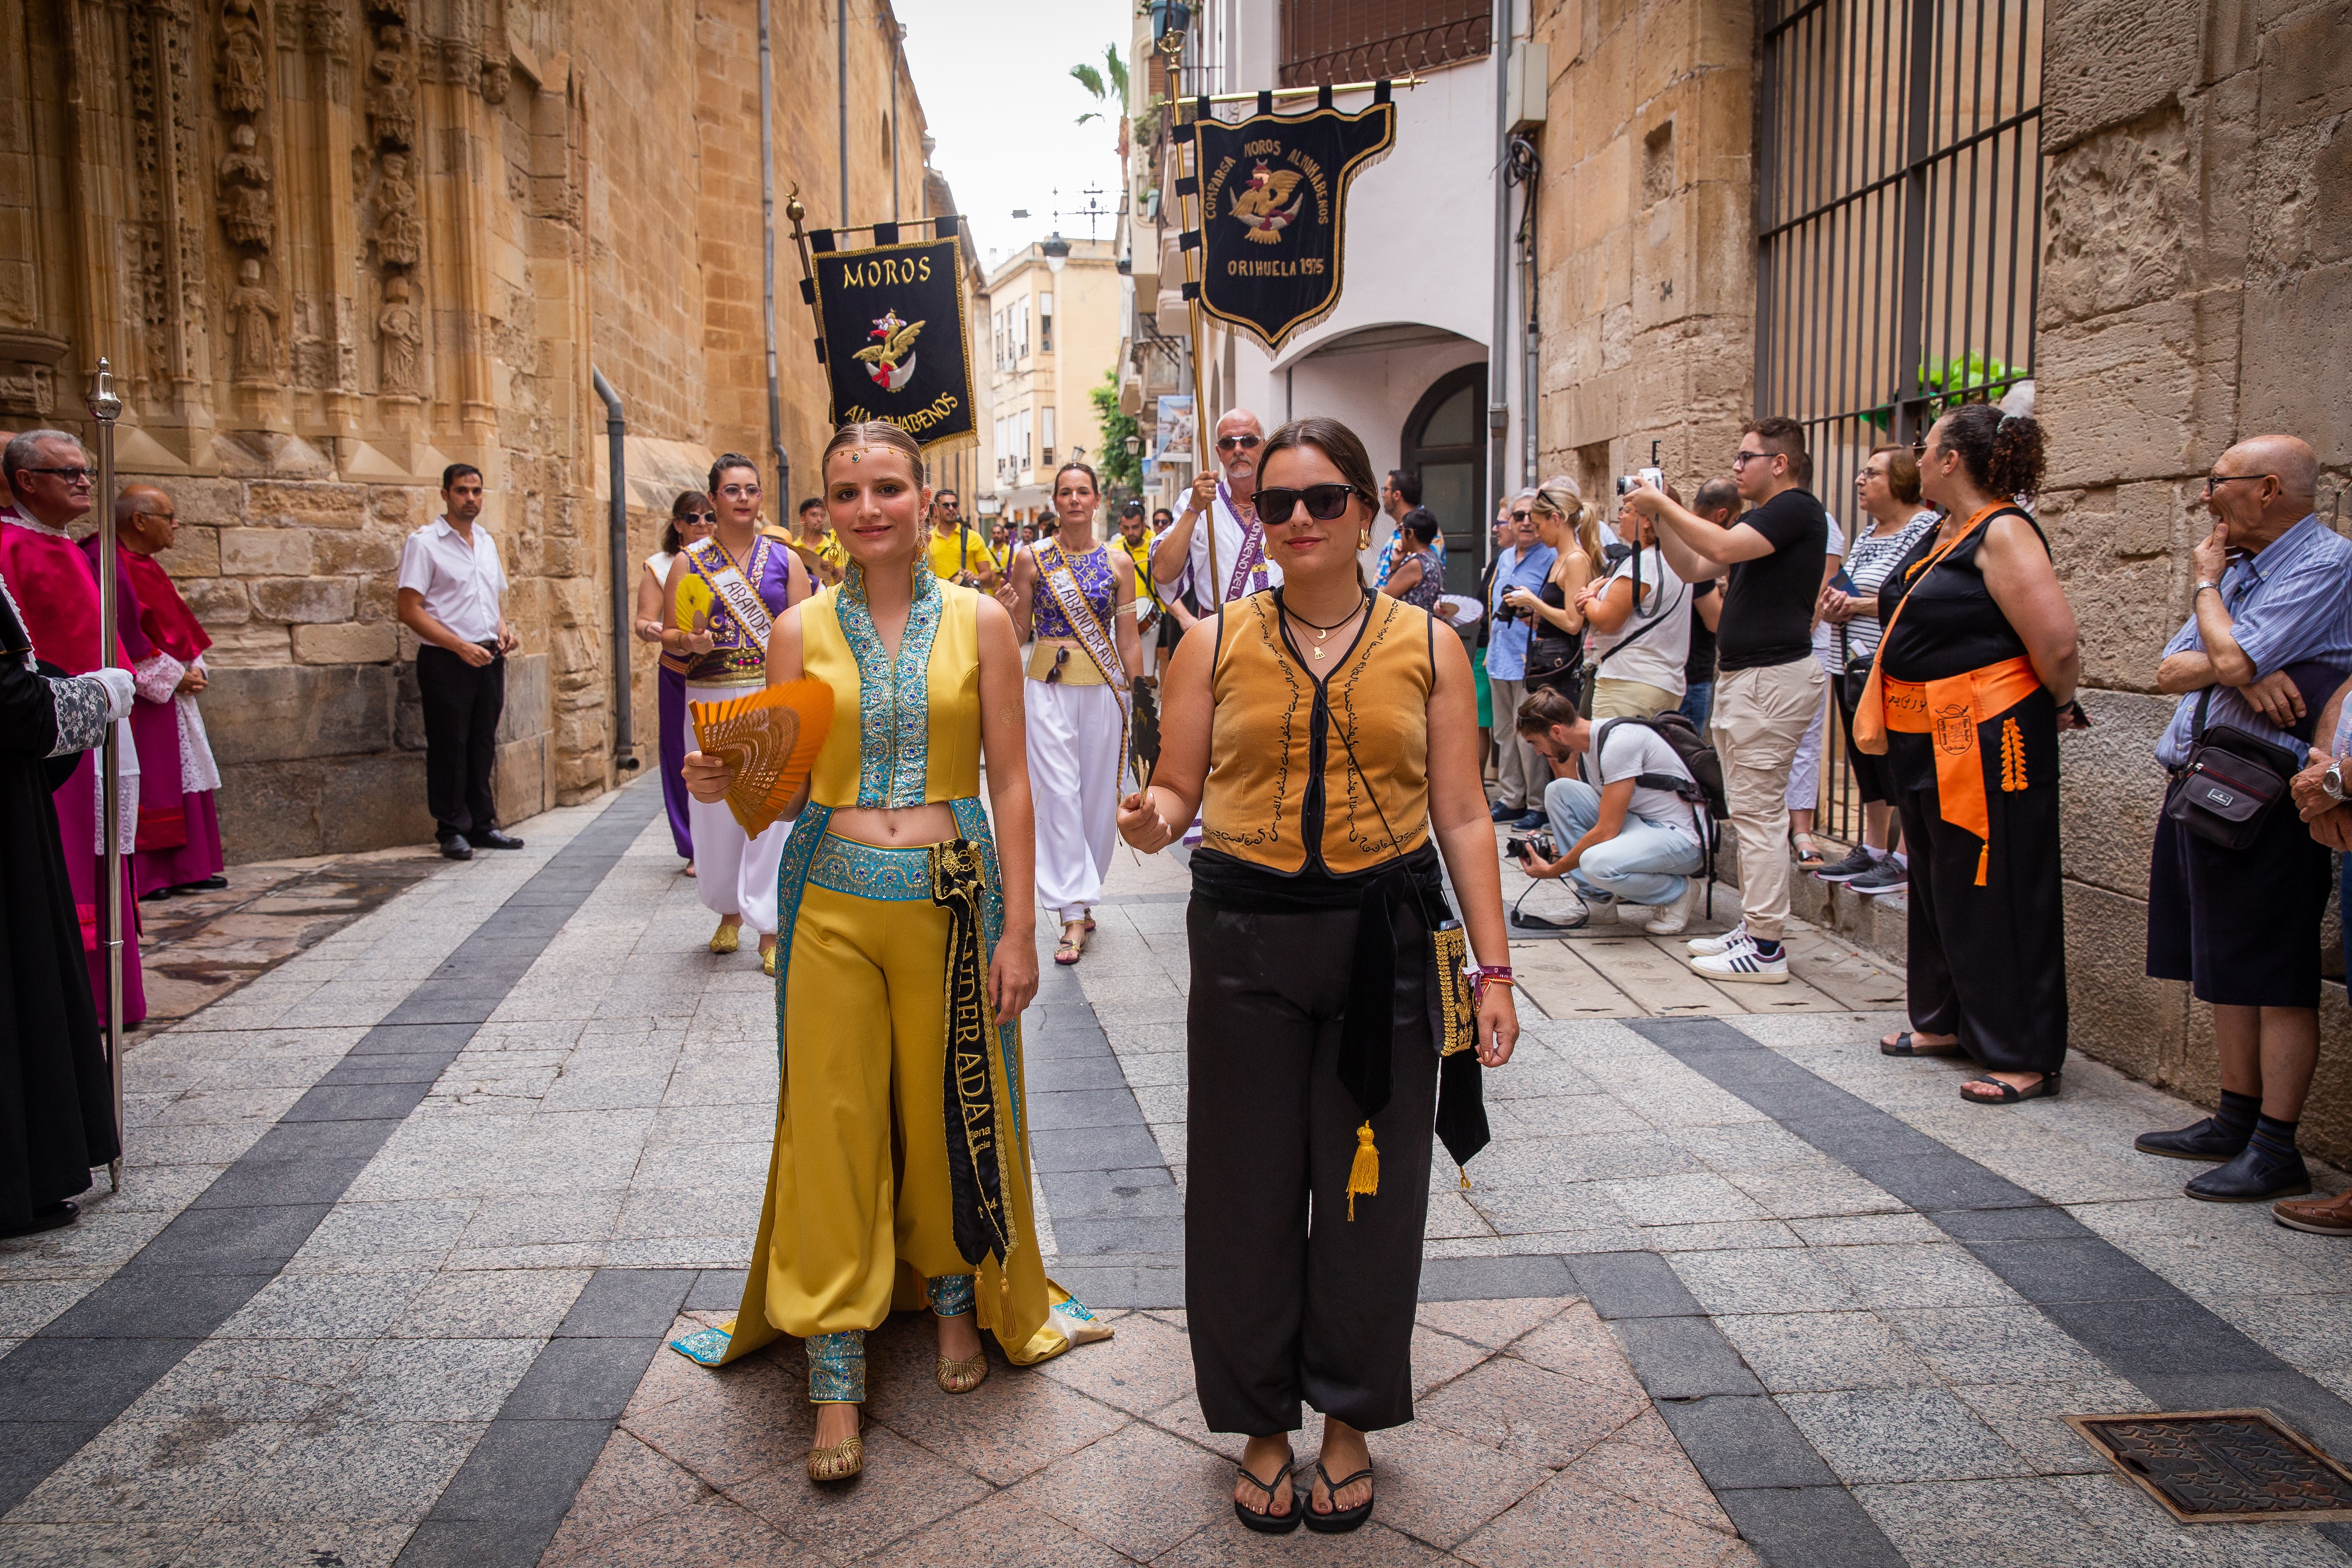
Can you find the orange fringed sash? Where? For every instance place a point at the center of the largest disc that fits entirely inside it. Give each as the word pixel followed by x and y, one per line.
pixel 773 736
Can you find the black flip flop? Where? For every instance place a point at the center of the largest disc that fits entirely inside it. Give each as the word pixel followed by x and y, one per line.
pixel 1270 1523
pixel 1904 1046
pixel 1339 1521
pixel 2010 1093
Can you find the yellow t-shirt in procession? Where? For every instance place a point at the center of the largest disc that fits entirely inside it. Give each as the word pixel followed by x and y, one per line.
pixel 951 555
pixel 1141 554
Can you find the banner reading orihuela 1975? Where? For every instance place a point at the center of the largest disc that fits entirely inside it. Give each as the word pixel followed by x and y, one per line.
pixel 894 343
pixel 1273 191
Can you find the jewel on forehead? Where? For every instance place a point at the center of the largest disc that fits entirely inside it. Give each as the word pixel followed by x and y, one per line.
pixel 853 456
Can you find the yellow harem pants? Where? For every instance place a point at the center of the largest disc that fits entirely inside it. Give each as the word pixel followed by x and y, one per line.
pixel 858 1212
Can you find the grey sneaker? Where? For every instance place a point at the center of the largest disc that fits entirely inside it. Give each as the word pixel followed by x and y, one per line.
pixel 1857 861
pixel 1886 877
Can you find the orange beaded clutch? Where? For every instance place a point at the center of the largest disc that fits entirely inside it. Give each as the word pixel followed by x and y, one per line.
pixel 772 736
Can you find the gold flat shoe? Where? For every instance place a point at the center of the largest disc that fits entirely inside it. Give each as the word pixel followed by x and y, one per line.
pixel 767 964
pixel 725 938
pixel 839 1462
pixel 961 1376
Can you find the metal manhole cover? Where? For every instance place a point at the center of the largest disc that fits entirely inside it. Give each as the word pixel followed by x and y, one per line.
pixel 2217 1467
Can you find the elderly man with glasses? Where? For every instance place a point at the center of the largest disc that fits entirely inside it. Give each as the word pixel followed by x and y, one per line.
pixel 1180 558
pixel 1521 775
pixel 2268 640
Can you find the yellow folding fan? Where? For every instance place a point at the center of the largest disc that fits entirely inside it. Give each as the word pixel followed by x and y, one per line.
pixel 773 736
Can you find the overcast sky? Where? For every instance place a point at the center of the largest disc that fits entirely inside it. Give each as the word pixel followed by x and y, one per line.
pixel 996 90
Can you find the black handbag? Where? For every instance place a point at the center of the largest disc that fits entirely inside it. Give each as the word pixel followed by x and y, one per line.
pixel 2225 791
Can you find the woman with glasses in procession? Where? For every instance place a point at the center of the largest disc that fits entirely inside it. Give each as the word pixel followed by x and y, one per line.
pixel 691 519
pixel 894 1185
pixel 1327 736
pixel 1074 599
pixel 719 603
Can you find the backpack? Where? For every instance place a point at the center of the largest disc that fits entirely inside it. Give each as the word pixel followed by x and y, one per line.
pixel 1703 790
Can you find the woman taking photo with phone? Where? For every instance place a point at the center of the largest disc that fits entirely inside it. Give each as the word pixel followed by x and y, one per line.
pixel 1556 617
pixel 1074 598
pixel 718 607
pixel 1327 736
pixel 691 519
pixel 896 900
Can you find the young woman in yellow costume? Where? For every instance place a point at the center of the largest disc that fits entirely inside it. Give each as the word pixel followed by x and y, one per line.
pixel 898 933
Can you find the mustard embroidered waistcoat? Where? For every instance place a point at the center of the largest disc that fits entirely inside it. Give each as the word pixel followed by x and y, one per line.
pixel 1264 749
pixel 906 731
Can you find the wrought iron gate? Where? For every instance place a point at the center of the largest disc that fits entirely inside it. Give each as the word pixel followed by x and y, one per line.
pixel 1898 227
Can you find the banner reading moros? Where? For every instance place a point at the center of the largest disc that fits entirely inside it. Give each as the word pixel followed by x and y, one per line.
pixel 894 343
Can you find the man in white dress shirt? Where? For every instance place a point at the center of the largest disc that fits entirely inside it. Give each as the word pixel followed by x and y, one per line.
pixel 450 584
pixel 1180 560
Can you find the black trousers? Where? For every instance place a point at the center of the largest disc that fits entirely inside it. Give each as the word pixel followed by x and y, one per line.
pixel 1285 1295
pixel 462 704
pixel 1989 964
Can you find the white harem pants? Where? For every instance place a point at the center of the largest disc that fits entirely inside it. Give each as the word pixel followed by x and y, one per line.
pixel 1074 778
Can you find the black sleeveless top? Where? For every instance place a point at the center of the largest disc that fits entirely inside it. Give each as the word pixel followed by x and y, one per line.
pixel 1555 643
pixel 1952 625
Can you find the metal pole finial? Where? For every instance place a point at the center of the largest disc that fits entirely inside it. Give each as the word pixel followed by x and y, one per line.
pixel 104 404
pixel 105 408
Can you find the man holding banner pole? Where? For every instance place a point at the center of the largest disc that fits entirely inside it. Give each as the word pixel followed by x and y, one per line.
pixel 1226 561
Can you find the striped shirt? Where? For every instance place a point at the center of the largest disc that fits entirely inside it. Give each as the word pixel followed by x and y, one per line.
pixel 2290 603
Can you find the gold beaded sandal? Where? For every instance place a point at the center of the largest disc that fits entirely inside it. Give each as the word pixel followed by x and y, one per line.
pixel 961 1376
pixel 725 938
pixel 839 1462
pixel 768 963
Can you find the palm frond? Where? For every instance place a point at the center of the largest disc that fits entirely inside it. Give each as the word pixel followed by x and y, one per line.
pixel 1088 78
pixel 1090 114
pixel 1117 69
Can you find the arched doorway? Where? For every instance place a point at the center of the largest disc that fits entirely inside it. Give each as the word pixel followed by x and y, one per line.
pixel 1441 443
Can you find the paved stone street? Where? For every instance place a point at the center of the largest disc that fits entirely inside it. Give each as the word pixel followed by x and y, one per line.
pixel 407 1216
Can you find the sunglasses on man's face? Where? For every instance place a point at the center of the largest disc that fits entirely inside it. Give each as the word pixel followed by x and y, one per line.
pixel 1325 503
pixel 1237 443
pixel 1521 516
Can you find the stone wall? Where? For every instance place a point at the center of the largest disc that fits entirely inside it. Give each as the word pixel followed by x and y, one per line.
pixel 332 244
pixel 1647 280
pixel 2197 250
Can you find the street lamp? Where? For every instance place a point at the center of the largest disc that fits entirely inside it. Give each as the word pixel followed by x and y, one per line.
pixel 1058 250
pixel 1134 445
pixel 1171 20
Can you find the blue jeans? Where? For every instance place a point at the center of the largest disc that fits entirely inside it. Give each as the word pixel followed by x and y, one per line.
pixel 1646 863
pixel 1698 702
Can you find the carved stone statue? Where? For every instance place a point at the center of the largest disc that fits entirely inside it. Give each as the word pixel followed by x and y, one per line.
pixel 402 341
pixel 243 69
pixel 497 79
pixel 245 210
pixel 399 231
pixel 392 101
pixel 253 325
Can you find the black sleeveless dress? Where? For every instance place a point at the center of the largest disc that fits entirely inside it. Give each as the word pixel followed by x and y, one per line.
pixel 1987 963
pixel 1559 655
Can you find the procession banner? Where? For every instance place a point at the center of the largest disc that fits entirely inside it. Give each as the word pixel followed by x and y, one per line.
pixel 1272 192
pixel 893 335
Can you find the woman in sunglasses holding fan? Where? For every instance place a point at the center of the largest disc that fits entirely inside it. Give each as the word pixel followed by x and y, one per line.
pixel 1328 738
pixel 691 519
pixel 1074 599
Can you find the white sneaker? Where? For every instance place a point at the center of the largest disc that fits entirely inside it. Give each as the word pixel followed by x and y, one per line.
pixel 1714 944
pixel 1743 963
pixel 1670 919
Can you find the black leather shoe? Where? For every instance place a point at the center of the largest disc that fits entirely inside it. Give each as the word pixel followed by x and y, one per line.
pixel 2257 1175
pixel 455 848
pixel 2207 1140
pixel 56 1217
pixel 212 884
pixel 493 839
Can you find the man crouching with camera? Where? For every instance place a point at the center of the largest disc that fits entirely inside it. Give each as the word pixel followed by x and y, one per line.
pixel 1633 838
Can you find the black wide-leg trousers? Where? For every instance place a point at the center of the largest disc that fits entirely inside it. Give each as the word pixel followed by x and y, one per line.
pixel 1989 964
pixel 1287 1298
pixel 462 704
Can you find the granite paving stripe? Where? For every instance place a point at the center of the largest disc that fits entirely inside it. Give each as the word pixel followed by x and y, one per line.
pixel 2171 1347
pixel 215 1255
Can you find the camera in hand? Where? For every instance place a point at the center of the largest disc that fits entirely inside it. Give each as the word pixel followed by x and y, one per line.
pixel 1654 478
pixel 1536 845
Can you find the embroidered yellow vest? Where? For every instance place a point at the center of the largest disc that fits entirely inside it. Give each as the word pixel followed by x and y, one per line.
pixel 1262 741
pixel 906 731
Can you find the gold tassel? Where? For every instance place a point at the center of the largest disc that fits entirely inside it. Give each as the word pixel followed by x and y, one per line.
pixel 1983 856
pixel 1465 1177
pixel 1364 1175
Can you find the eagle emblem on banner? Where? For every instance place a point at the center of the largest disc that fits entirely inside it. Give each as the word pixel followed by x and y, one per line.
pixel 891 362
pixel 1260 207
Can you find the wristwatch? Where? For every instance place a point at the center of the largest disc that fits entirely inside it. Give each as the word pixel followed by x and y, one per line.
pixel 2201 587
pixel 2332 781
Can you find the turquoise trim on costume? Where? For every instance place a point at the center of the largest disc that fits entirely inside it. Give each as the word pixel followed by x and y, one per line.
pixel 837 1367
pixel 894 701
pixel 871 871
pixel 951 1295
pixel 705 1347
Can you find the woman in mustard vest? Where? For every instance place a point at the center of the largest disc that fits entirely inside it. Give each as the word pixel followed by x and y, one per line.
pixel 1328 737
pixel 897 930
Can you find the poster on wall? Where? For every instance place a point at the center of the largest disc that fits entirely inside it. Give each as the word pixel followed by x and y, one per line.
pixel 1273 193
pixel 893 342
pixel 1175 430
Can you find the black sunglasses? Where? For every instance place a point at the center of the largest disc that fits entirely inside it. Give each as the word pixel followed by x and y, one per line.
pixel 697 517
pixel 1227 443
pixel 70 475
pixel 1325 503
